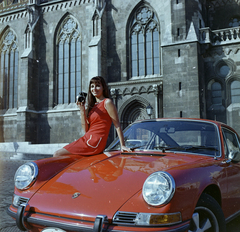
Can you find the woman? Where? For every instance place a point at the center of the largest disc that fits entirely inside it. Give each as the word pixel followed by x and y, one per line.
pixel 96 120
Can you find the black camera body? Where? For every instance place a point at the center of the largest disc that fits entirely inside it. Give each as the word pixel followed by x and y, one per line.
pixel 82 97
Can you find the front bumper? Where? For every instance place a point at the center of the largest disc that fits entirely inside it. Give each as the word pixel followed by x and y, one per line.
pixel 27 220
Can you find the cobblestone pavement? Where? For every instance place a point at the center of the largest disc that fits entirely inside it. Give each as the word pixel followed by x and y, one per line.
pixel 7 171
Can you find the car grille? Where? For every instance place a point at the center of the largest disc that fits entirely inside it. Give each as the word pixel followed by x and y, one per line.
pixel 125 218
pixel 22 200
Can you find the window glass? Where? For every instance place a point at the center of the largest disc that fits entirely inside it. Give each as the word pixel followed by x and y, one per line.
pixel 231 141
pixel 15 87
pixel 235 92
pixel 173 135
pixel 69 61
pixel 216 93
pixel 9 70
pixel 144 43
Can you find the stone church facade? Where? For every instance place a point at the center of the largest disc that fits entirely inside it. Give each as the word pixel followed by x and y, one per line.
pixel 180 57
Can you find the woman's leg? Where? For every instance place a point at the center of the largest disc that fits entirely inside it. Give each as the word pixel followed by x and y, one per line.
pixel 60 152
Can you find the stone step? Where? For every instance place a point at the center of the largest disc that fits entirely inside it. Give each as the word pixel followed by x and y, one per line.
pixel 29 156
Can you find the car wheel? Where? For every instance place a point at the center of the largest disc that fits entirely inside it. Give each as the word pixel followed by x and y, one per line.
pixel 207 216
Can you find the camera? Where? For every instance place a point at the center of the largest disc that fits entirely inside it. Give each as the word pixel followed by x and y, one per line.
pixel 82 97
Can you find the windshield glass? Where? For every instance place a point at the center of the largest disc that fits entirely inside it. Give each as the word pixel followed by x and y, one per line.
pixel 173 135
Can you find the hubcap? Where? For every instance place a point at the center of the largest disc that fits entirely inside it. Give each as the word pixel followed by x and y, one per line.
pixel 203 220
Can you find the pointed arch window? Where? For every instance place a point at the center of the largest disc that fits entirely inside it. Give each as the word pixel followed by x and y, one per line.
pixel 69 50
pixel 216 90
pixel 235 92
pixel 144 41
pixel 9 70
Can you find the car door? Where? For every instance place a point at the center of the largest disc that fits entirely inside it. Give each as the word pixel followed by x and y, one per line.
pixel 231 143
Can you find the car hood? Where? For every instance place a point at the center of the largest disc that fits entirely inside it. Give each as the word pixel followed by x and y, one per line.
pixel 101 184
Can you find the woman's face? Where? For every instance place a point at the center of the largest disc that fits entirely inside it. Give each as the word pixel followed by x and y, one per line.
pixel 96 89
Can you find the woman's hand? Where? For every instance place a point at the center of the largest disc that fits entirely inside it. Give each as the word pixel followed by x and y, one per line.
pixel 81 105
pixel 124 148
pixel 84 121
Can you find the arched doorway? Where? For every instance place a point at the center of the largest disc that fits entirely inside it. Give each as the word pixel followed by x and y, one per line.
pixel 133 109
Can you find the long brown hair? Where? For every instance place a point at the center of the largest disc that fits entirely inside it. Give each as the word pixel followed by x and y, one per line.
pixel 90 98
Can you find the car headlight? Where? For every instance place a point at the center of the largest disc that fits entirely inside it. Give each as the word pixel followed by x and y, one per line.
pixel 158 188
pixel 26 175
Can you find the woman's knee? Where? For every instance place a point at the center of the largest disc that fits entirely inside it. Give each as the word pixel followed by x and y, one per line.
pixel 56 153
pixel 60 152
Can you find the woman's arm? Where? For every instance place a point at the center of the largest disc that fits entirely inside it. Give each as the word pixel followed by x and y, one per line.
pixel 112 111
pixel 83 116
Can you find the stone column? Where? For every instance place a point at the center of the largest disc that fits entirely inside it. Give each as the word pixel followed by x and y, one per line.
pixel 27 82
pixel 158 100
pixel 97 44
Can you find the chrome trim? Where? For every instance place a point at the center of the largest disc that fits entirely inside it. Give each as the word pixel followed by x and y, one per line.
pixel 61 225
pixel 125 218
pixel 51 223
pixel 130 219
pixel 183 228
pixel 21 200
pixel 69 227
pixel 232 217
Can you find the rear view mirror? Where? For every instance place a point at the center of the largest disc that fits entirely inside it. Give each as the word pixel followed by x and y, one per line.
pixel 234 156
pixel 168 130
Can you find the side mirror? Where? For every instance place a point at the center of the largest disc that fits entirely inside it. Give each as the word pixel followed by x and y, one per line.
pixel 234 156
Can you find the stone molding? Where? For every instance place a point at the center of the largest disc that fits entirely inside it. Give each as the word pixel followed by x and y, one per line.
pixel 56 5
pixel 133 87
pixel 21 12
pixel 220 3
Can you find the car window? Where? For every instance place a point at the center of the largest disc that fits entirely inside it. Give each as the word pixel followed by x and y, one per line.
pixel 231 142
pixel 138 137
pixel 173 135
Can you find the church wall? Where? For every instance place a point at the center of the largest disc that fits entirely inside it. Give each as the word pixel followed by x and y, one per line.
pixel 10 119
pixel 222 65
pixel 61 123
pixel 181 89
pixel 134 92
pixel 118 16
pixel 181 81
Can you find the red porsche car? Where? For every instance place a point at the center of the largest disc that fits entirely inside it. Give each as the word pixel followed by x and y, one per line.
pixel 182 175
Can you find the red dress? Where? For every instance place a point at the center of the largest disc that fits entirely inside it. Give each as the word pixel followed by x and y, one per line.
pixel 95 139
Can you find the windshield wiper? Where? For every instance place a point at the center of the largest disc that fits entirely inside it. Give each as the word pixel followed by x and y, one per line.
pixel 163 148
pixel 133 148
pixel 201 148
pixel 186 148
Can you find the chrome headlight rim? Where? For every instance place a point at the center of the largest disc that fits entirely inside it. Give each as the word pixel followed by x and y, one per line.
pixel 170 193
pixel 32 178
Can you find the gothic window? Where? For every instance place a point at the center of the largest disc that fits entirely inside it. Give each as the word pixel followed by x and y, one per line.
pixel 216 90
pixel 144 41
pixel 69 52
pixel 9 70
pixel 95 25
pixel 235 92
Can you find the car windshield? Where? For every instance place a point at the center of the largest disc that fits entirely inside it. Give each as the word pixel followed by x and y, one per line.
pixel 172 135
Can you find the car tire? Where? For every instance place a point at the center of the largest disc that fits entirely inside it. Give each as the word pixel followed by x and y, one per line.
pixel 208 216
